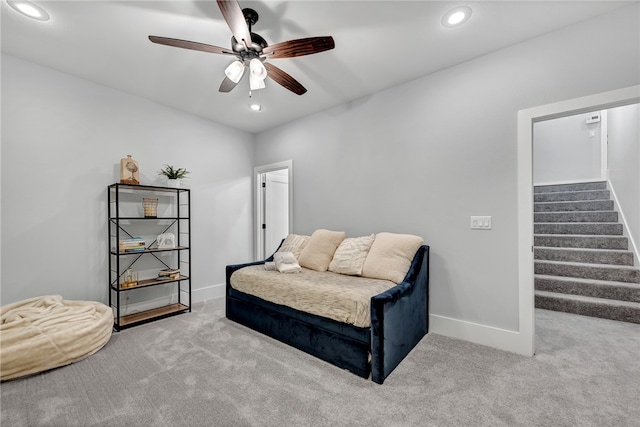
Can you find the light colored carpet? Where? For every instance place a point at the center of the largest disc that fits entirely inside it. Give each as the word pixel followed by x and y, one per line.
pixel 200 369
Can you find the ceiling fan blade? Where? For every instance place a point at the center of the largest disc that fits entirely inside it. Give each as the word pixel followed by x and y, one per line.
pixel 284 79
pixel 235 20
pixel 299 47
pixel 227 85
pixel 185 44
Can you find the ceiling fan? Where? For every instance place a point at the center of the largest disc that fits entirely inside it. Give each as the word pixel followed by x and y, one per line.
pixel 252 51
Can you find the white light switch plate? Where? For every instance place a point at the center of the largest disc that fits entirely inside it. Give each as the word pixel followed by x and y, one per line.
pixel 481 223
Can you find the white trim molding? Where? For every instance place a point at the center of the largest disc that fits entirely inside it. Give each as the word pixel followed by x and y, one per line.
pixel 208 293
pixel 502 339
pixel 526 119
pixel 258 202
pixel 625 225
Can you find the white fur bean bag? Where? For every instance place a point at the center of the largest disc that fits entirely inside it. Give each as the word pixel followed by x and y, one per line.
pixel 47 332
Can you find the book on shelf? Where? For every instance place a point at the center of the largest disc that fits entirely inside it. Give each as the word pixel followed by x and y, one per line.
pixel 137 245
pixel 169 273
pixel 132 241
pixel 134 244
pixel 129 250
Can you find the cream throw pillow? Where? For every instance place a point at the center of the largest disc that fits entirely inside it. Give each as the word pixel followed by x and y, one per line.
pixel 390 256
pixel 294 243
pixel 318 253
pixel 350 255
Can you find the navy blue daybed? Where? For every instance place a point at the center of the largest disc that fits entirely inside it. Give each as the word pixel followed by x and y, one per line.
pixel 399 320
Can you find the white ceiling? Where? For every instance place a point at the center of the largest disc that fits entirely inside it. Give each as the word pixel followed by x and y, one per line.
pixel 379 44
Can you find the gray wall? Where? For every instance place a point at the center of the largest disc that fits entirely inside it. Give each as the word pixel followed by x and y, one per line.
pixel 62 141
pixel 424 156
pixel 418 158
pixel 564 150
pixel 624 163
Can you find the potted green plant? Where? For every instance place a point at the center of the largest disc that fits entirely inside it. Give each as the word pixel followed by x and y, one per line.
pixel 174 175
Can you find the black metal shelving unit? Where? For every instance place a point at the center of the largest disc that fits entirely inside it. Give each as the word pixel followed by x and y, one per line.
pixel 121 226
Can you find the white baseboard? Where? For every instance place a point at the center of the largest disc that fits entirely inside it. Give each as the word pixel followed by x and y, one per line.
pixel 197 295
pixel 136 307
pixel 208 292
pixel 625 226
pixel 502 339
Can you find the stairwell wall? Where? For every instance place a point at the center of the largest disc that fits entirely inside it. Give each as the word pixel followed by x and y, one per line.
pixel 565 151
pixel 424 156
pixel 624 166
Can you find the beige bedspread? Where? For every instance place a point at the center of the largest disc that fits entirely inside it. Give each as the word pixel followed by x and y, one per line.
pixel 47 332
pixel 339 297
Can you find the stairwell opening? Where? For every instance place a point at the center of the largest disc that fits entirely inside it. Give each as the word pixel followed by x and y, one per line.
pixel 585 256
pixel 526 120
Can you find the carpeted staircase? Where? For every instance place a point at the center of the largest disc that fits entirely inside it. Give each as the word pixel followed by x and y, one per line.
pixel 582 261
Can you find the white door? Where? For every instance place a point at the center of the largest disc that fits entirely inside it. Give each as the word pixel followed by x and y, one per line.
pixel 276 209
pixel 273 212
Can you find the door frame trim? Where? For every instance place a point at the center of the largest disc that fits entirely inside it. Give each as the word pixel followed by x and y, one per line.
pixel 258 207
pixel 526 119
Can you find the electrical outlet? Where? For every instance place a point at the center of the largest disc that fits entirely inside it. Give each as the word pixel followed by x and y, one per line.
pixel 481 223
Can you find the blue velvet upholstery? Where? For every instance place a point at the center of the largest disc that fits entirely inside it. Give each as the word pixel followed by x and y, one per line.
pixel 399 319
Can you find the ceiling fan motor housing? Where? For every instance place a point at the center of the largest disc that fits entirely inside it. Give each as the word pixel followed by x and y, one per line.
pixel 252 51
pixel 258 43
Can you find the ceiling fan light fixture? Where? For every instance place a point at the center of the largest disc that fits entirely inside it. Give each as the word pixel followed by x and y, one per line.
pixel 29 9
pixel 235 71
pixel 257 74
pixel 253 50
pixel 456 16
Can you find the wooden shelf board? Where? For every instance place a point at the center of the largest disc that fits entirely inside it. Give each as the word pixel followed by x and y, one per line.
pixel 149 250
pixel 150 282
pixel 152 314
pixel 122 185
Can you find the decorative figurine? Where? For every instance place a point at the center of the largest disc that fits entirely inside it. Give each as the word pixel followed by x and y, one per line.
pixel 129 171
pixel 166 241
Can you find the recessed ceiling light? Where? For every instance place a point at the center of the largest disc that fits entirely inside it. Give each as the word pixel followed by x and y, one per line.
pixel 29 9
pixel 255 107
pixel 456 16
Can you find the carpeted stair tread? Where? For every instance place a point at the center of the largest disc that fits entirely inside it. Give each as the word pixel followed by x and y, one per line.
pixel 577 186
pixel 617 273
pixel 589 306
pixel 588 287
pixel 581 241
pixel 577 205
pixel 586 228
pixel 576 216
pixel 570 196
pixel 584 255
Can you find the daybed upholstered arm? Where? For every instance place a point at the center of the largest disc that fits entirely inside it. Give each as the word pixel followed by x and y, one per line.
pixel 232 268
pixel 399 318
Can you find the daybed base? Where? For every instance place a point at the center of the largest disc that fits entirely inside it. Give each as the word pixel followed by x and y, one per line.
pixel 399 319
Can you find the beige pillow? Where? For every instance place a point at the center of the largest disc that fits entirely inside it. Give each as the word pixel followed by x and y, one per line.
pixel 318 253
pixel 350 255
pixel 294 243
pixel 390 256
